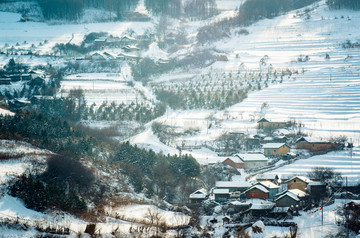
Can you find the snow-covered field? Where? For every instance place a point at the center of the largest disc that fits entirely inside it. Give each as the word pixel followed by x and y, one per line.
pixel 326 96
pixel 12 31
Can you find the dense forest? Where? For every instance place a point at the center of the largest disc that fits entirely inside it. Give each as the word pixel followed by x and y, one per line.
pixel 349 4
pixel 165 176
pixel 73 9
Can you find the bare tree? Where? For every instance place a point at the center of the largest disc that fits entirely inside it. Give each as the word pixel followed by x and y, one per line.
pixel 327 175
pixel 154 220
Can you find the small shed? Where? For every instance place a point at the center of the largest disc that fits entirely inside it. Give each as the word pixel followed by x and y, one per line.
pixel 198 196
pixel 316 189
pixel 221 195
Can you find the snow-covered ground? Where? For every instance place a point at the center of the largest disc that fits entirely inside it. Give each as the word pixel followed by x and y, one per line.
pixel 22 156
pixel 324 95
pixel 345 162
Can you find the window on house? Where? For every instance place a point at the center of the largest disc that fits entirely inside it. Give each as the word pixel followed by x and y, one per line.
pixel 274 151
pixel 268 152
pixel 294 180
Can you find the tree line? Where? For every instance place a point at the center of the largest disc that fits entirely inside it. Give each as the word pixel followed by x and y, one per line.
pixel 349 4
pixel 73 9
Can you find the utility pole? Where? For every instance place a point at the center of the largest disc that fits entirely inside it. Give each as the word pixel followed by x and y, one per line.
pixel 322 213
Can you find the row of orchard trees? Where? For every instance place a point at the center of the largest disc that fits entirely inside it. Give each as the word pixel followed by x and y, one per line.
pixel 74 107
pixel 73 9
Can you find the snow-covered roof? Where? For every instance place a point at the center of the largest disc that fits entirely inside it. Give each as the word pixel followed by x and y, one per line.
pixel 221 191
pixel 312 183
pixel 251 157
pixel 237 178
pixel 155 53
pixel 267 176
pixel 235 159
pixel 297 192
pixel 201 193
pixel 302 178
pixel 274 145
pixel 263 120
pixel 259 187
pixel 262 206
pixel 4 112
pixel 232 184
pixel 280 210
pixel 128 37
pixel 268 184
pixel 311 140
pixel 289 194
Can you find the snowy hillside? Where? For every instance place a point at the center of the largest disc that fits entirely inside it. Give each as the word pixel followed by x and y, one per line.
pixel 324 95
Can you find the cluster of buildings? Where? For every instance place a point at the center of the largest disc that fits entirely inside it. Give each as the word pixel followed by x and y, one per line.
pixel 270 195
pixel 277 147
pixel 32 78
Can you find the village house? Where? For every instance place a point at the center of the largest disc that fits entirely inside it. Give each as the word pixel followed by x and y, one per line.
pixel 232 186
pixel 198 196
pixel 238 206
pixel 298 182
pixel 314 144
pixel 5 81
pixel 253 161
pixel 38 81
pixel 234 162
pixel 126 39
pixel 276 149
pixel 274 178
pixel 271 187
pixel 260 207
pixel 266 124
pixel 287 199
pixel 127 57
pixel 130 48
pixel 97 56
pixel 257 191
